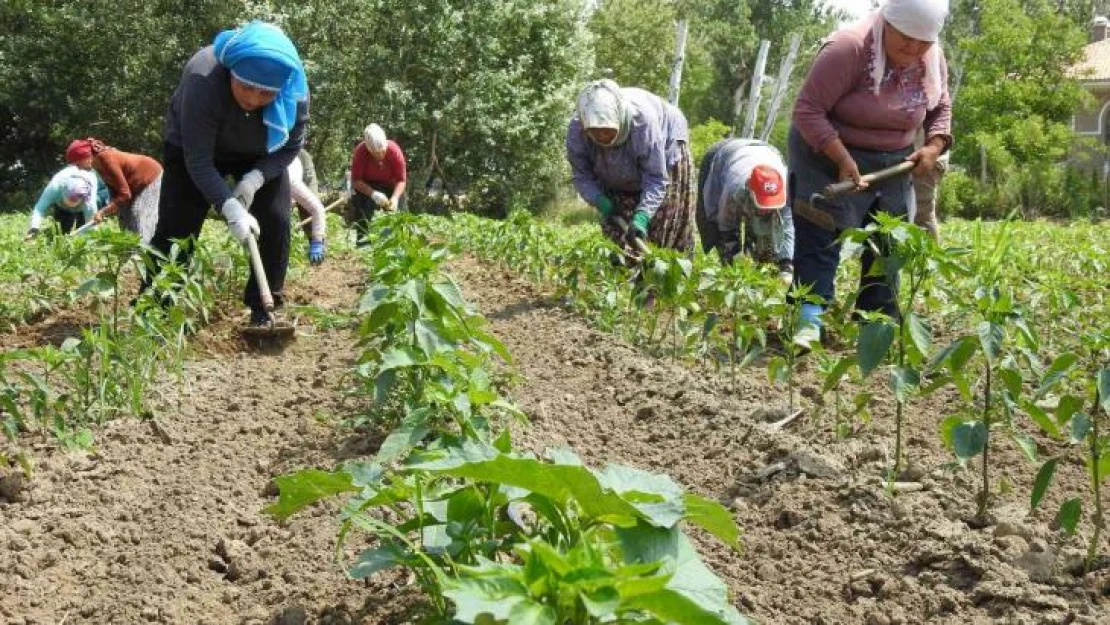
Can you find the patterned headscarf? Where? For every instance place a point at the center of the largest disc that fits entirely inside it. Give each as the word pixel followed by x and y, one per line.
pixel 601 105
pixel 98 146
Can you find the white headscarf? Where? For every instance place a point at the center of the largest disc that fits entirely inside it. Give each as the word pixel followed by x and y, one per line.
pixel 374 137
pixel 601 105
pixel 920 19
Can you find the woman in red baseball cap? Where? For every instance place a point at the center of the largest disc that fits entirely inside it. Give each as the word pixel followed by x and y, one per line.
pixel 742 182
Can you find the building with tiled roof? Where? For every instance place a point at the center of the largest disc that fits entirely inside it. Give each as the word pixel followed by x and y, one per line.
pixel 1093 73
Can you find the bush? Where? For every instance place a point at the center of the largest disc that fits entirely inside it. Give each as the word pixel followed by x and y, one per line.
pixel 1048 191
pixel 703 136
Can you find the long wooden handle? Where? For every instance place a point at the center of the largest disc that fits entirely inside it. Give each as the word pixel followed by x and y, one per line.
pixel 326 209
pixel 260 275
pixel 848 186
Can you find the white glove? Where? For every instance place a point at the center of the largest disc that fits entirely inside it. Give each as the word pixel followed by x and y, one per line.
pixel 248 186
pixel 380 199
pixel 241 223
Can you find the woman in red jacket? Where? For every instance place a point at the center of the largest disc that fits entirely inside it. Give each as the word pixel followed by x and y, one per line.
pixel 378 177
pixel 135 182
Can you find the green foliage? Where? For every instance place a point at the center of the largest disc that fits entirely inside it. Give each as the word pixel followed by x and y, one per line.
pixel 492 534
pixel 1014 106
pixel 703 136
pixel 492 81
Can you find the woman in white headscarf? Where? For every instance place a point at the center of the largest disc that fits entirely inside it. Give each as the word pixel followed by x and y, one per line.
pixel 872 85
pixel 628 152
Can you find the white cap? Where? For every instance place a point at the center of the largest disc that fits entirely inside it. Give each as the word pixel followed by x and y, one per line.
pixel 374 138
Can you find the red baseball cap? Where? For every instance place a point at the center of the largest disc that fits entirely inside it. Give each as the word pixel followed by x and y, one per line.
pixel 767 187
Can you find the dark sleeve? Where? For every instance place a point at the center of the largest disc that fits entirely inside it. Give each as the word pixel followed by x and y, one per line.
pixel 274 165
pixel 200 110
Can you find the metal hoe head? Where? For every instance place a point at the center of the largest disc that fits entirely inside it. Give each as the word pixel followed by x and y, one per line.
pixel 272 336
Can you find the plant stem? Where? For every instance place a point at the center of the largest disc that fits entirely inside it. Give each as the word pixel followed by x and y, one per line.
pixel 900 405
pixel 984 493
pixel 1096 479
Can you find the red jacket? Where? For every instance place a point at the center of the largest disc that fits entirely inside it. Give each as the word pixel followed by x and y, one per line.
pixel 392 169
pixel 126 174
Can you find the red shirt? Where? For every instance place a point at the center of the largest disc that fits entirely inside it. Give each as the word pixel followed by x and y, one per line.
pixel 392 169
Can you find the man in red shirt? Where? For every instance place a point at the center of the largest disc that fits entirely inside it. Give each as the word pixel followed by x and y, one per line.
pixel 378 177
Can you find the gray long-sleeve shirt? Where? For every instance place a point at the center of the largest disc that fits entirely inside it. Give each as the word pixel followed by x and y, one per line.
pixel 641 163
pixel 209 126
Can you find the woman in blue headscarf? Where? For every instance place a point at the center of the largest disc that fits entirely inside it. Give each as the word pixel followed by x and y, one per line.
pixel 239 110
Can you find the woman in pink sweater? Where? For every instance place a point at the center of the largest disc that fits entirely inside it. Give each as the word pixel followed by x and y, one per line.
pixel 872 85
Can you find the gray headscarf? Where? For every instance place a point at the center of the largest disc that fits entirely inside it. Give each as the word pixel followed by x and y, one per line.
pixel 601 105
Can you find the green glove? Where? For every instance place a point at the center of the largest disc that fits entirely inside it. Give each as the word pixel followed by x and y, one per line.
pixel 604 206
pixel 640 221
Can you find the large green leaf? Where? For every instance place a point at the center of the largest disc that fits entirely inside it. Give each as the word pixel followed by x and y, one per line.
pixel 693 593
pixel 874 342
pixel 402 439
pixel 921 335
pixel 377 559
pixel 836 374
pixel 714 518
pixel 969 439
pixel 476 596
pixel 654 494
pixel 429 338
pixel 1011 381
pixel 991 336
pixel 1080 426
pixel 304 488
pixel 1026 444
pixel 1057 371
pixel 1042 482
pixel 1070 513
pixel 560 483
pixel 532 613
pixel 1041 418
pixel 398 359
pixel 904 381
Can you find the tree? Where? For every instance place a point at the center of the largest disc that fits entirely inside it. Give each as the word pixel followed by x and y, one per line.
pixel 1015 91
pixel 493 81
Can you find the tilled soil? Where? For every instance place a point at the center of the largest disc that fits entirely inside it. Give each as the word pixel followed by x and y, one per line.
pixel 824 541
pixel 166 524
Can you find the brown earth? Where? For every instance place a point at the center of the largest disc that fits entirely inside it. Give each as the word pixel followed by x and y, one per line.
pixel 168 526
pixel 824 541
pixel 153 528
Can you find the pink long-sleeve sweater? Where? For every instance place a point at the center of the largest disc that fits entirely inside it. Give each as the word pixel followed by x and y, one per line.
pixel 837 99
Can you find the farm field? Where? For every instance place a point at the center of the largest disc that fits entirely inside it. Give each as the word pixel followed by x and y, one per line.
pixel 210 484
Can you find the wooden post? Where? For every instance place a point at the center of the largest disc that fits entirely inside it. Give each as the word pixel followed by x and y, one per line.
pixel 679 57
pixel 781 86
pixel 756 89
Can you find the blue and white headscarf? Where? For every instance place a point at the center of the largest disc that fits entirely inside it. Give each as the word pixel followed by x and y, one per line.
pixel 262 56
